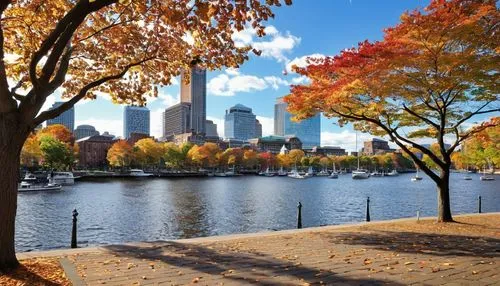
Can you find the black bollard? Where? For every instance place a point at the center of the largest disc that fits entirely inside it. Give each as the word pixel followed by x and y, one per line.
pixel 73 232
pixel 368 209
pixel 479 205
pixel 299 216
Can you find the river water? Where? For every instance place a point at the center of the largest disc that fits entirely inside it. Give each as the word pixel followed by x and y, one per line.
pixel 148 209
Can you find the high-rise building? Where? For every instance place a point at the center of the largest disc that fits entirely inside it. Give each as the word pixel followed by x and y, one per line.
pixel 211 129
pixel 307 130
pixel 258 129
pixel 135 120
pixel 376 146
pixel 83 131
pixel 195 92
pixel 239 123
pixel 177 119
pixel 67 118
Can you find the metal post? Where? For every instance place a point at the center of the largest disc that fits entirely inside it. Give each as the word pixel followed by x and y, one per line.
pixel 73 232
pixel 368 209
pixel 299 216
pixel 479 205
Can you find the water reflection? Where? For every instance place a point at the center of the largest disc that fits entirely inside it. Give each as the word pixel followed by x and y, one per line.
pixel 115 211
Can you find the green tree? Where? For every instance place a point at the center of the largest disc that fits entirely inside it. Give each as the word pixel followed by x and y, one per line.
pixel 55 154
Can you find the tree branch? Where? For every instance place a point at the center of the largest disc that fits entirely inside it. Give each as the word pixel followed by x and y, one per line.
pixel 428 121
pixel 81 94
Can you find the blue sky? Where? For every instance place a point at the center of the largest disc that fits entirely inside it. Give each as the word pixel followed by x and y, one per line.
pixel 307 27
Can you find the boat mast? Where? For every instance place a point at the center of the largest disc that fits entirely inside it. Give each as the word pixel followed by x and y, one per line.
pixel 357 152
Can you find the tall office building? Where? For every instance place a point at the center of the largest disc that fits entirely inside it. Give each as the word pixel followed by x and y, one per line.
pixel 307 130
pixel 239 123
pixel 83 131
pixel 177 119
pixel 258 129
pixel 67 118
pixel 195 92
pixel 135 120
pixel 211 129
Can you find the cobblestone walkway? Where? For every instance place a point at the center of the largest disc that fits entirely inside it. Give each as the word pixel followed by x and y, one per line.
pixel 359 255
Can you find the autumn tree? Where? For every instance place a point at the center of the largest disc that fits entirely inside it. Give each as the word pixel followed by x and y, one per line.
pixel 173 156
pixel 149 152
pixel 431 73
pixel 31 153
pixel 250 158
pixel 296 155
pixel 84 47
pixel 120 154
pixel 483 149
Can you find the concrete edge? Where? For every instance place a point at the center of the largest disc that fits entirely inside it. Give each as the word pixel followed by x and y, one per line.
pixel 71 272
pixel 66 252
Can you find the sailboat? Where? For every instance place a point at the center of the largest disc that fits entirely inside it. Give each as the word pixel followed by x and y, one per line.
pixel 486 177
pixel 334 174
pixel 417 177
pixel 281 172
pixel 359 173
pixel 310 172
pixel 268 173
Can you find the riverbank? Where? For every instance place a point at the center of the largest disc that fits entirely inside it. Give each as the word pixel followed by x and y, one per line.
pixel 398 252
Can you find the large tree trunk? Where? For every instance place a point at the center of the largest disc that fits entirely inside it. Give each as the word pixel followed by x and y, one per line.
pixel 12 137
pixel 443 190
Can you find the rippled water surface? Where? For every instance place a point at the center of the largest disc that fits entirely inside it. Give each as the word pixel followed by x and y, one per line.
pixel 147 209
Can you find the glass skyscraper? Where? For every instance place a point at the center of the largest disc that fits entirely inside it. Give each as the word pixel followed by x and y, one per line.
pixel 135 120
pixel 240 123
pixel 67 118
pixel 307 130
pixel 195 93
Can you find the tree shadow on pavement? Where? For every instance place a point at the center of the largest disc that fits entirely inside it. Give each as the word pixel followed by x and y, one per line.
pixel 240 267
pixel 421 243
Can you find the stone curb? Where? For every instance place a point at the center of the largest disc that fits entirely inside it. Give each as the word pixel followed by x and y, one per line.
pixel 71 272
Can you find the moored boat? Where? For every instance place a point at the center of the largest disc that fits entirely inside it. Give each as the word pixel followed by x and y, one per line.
pixel 393 173
pixel 28 187
pixel 139 173
pixel 61 178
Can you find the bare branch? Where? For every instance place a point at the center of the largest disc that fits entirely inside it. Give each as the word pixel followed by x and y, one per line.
pixel 477 112
pixel 81 94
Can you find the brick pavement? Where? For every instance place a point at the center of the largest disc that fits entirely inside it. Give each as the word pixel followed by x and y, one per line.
pixel 356 255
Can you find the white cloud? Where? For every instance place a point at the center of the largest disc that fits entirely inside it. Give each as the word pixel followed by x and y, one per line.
pixel 168 100
pixel 302 61
pixel 220 124
pixel 275 45
pixel 49 101
pixel 224 85
pixel 233 81
pixel 300 79
pixel 155 122
pixel 275 81
pixel 267 125
pixel 113 126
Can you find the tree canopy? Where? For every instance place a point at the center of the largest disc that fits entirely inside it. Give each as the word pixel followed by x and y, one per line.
pixel 431 73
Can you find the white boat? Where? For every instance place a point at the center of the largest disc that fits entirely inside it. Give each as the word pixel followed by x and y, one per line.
pixel 486 177
pixel 295 175
pixel 376 174
pixel 416 177
pixel 61 178
pixel 467 177
pixel 220 174
pixel 282 173
pixel 268 173
pixel 393 173
pixel 139 173
pixel 359 173
pixel 334 174
pixel 28 187
pixel 322 173
pixel 29 177
pixel 310 172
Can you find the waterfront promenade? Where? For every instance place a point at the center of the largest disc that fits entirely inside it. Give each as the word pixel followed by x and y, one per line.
pixel 397 252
